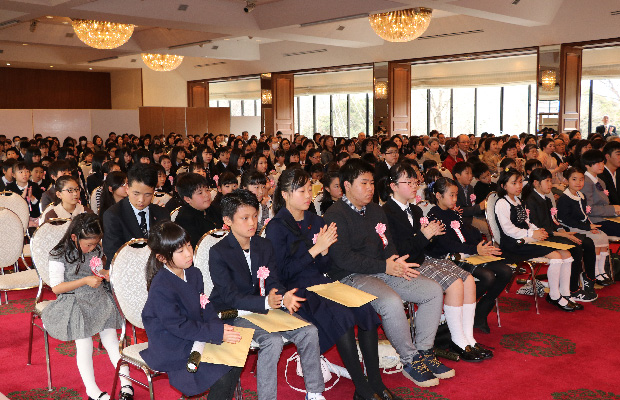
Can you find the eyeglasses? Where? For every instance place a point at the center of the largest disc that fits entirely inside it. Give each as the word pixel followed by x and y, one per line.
pixel 391 152
pixel 71 190
pixel 411 183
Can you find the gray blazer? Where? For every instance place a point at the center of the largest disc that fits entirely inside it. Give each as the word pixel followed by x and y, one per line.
pixel 597 200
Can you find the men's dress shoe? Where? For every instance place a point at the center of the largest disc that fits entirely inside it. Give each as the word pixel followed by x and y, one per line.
pixel 570 306
pixel 483 327
pixel 578 307
pixel 483 351
pixel 124 395
pixel 357 396
pixel 388 395
pixel 468 354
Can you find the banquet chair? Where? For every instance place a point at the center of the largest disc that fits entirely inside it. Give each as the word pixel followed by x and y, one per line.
pixel 129 288
pixel 317 204
pixel 19 206
pixel 161 198
pixel 11 247
pixel 174 213
pixel 425 206
pixel 445 172
pixel 44 239
pixel 533 265
pixel 95 199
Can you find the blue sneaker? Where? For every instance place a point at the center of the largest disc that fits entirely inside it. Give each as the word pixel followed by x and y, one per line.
pixel 314 396
pixel 433 364
pixel 418 372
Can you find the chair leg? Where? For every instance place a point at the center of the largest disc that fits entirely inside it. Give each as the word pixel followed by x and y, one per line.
pixel 411 320
pixel 6 297
pixel 149 379
pixel 534 288
pixel 238 394
pixel 499 323
pixel 30 338
pixel 116 378
pixel 47 360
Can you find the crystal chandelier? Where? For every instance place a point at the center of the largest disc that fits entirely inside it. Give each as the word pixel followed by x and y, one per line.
pixel 548 79
pixel 381 90
pixel 401 25
pixel 266 96
pixel 102 34
pixel 162 62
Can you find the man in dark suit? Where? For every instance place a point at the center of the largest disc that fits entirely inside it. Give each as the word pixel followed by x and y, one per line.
pixel 236 263
pixel 611 151
pixel 471 212
pixel 606 129
pixel 464 143
pixel 133 216
pixel 389 150
pixel 223 155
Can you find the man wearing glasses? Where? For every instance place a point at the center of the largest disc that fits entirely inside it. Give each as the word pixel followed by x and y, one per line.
pixel 463 142
pixel 389 152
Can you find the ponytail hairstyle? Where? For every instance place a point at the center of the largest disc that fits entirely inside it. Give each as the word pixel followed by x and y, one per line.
pixel 327 181
pixel 290 180
pixel 83 226
pixel 537 174
pixel 431 176
pixel 397 172
pixel 164 240
pixel 572 170
pixel 440 186
pixel 113 181
pixel 504 177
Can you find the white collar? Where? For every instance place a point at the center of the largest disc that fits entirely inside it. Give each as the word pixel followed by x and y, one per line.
pixel 541 195
pixel 593 178
pixel 578 197
pixel 516 203
pixel 613 174
pixel 62 213
pixel 184 276
pixel 401 205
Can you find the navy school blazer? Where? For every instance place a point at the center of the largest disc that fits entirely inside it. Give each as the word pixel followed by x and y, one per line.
pixel 235 285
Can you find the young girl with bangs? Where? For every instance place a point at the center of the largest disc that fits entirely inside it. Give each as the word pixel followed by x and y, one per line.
pixel 68 193
pixel 517 233
pixel 178 318
pixel 412 234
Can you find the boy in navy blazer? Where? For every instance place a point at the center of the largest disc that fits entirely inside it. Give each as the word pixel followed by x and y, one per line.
pixel 234 263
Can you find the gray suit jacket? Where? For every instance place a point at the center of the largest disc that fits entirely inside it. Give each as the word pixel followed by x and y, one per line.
pixel 597 200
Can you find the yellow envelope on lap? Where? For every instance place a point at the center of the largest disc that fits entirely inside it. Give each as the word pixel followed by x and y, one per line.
pixel 343 294
pixel 477 260
pixel 233 355
pixel 554 245
pixel 276 321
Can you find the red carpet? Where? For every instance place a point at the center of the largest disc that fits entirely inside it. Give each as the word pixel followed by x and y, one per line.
pixel 554 355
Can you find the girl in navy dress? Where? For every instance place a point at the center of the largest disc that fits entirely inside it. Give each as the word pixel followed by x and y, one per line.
pixel 517 233
pixel 301 242
pixel 177 315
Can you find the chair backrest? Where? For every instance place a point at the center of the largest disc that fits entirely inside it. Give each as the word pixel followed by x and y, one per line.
pixel 86 169
pixel 490 216
pixel 425 206
pixel 182 170
pixel 162 198
pixel 213 193
pixel 44 212
pixel 174 213
pixel 551 197
pixel 445 172
pixel 128 279
pixel 201 256
pixel 44 239
pixel 95 199
pixel 317 203
pixel 12 243
pixel 18 205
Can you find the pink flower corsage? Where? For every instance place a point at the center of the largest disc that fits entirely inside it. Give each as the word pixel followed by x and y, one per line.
pixel 417 199
pixel 315 238
pixel 527 211
pixel 225 227
pixel 380 229
pixel 456 225
pixel 424 221
pixel 606 192
pixel 204 300
pixel 472 198
pixel 262 274
pixel 554 211
pixel 96 265
pixel 588 209
pixel 267 221
pixel 216 178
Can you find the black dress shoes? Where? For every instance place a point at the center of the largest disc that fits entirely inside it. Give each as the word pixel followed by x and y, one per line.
pixel 483 327
pixel 100 396
pixel 388 395
pixel 357 396
pixel 578 307
pixel 125 395
pixel 483 351
pixel 570 306
pixel 468 354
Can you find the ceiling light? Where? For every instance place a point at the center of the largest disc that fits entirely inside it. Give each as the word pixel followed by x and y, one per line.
pixel 24 44
pixel 162 62
pixel 401 25
pixel 90 68
pixel 49 16
pixel 51 66
pixel 548 79
pixel 102 34
pixel 249 6
pixel 8 63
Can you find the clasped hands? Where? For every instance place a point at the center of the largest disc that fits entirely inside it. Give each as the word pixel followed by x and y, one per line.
pixel 291 302
pixel 397 266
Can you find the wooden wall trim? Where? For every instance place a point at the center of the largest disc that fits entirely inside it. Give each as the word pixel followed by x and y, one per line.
pixel 570 87
pixel 282 90
pixel 399 94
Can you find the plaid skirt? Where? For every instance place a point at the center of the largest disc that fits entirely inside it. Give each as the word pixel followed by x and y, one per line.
pixel 444 272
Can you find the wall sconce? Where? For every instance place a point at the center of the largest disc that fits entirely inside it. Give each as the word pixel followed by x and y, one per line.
pixel 265 96
pixel 381 90
pixel 266 76
pixel 548 80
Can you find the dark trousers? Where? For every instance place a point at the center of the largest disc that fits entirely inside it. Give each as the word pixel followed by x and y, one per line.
pixel 224 388
pixel 492 279
pixel 584 258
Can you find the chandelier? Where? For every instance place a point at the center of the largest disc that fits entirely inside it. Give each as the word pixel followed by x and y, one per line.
pixel 401 25
pixel 381 90
pixel 162 62
pixel 266 96
pixel 102 34
pixel 548 79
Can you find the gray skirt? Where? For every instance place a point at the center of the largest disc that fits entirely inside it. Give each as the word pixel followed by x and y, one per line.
pixel 600 239
pixel 444 272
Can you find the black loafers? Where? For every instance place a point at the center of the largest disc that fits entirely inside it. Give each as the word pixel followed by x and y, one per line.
pixel 388 395
pixel 483 351
pixel 468 354
pixel 569 307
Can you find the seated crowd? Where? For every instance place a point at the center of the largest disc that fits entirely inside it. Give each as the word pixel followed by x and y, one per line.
pixel 396 217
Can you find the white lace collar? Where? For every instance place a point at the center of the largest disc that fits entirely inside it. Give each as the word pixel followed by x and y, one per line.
pixel 578 197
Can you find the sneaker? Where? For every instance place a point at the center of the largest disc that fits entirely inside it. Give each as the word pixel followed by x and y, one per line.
pixel 314 396
pixel 583 296
pixel 433 365
pixel 419 373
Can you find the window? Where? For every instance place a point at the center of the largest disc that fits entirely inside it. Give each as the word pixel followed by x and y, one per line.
pixel 212 103
pixel 463 100
pixel 340 118
pixel 323 114
pixel 306 115
pixel 357 116
pixel 515 109
pixel 419 112
pixel 584 123
pixel 488 109
pixel 440 110
pixel 235 108
pixel 223 103
pixel 606 101
pixel 249 108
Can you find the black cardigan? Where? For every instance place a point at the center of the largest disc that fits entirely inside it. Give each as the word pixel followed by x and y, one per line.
pixel 540 212
pixel 407 239
pixel 570 213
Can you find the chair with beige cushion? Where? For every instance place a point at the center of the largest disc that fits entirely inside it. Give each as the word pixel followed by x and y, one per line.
pixel 44 239
pixel 174 214
pixel 95 199
pixel 201 256
pixel 127 276
pixel 19 206
pixel 161 198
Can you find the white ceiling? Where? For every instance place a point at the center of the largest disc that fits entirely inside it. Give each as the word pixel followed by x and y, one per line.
pixel 271 37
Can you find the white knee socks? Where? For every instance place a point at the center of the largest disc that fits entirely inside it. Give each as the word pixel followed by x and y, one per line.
pixel 454 319
pixel 565 277
pixel 84 357
pixel 600 263
pixel 469 312
pixel 110 342
pixel 553 276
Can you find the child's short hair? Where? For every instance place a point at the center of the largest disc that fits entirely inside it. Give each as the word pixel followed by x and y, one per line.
pixel 459 167
pixel 189 183
pixel 342 156
pixel 227 178
pixel 57 167
pixel 252 177
pixel 220 150
pixel 160 169
pixel 478 169
pixel 572 170
pixel 237 198
pixel 61 182
pixel 8 164
pixel 386 145
pixel 18 166
pixel 280 153
pixel 588 158
pixel 164 157
pixel 142 173
pixel 316 168
pixel 193 167
pixel 34 165
pixel 610 147
pixel 531 165
pixel 506 162
pixel 428 164
pixel 352 169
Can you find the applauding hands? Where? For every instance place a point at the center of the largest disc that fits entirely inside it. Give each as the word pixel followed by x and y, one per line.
pixel 327 236
pixel 397 266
